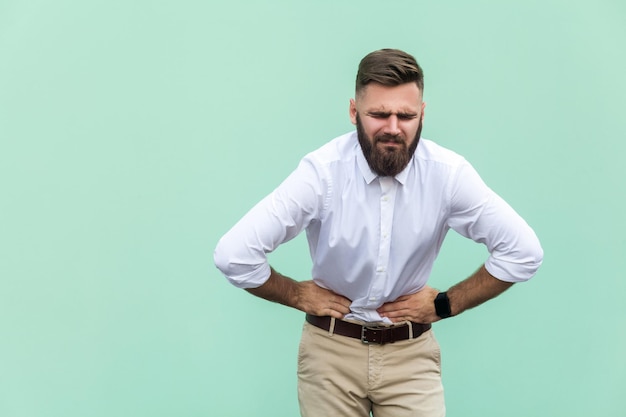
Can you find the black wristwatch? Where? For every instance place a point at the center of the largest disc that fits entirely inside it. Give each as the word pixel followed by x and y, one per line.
pixel 442 305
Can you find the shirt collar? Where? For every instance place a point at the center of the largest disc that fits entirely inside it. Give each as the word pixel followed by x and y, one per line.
pixel 364 167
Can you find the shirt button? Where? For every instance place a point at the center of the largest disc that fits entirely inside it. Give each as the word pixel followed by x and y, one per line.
pixel 372 298
pixel 385 198
pixel 380 269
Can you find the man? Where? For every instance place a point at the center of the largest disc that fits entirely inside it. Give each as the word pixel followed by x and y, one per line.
pixel 376 205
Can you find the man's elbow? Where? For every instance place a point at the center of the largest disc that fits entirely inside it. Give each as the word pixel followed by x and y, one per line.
pixel 240 273
pixel 516 265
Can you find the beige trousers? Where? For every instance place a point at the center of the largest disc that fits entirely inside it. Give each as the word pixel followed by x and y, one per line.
pixel 341 376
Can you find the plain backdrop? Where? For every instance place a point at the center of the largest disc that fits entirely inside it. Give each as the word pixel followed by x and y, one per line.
pixel 133 134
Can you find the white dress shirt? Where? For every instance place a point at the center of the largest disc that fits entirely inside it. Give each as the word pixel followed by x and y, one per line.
pixel 373 239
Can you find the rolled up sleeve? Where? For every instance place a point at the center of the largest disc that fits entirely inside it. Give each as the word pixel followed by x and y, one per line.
pixel 478 213
pixel 241 254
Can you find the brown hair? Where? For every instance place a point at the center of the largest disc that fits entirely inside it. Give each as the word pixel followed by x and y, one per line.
pixel 389 67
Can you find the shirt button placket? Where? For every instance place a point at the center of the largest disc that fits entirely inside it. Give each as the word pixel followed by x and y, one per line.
pixel 386 216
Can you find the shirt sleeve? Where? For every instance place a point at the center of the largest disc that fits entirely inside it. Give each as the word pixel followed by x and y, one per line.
pixel 241 254
pixel 478 213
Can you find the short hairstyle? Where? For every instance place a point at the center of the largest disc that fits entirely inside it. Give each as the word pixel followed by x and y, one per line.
pixel 389 67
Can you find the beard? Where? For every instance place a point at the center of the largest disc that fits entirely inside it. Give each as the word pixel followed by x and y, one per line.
pixel 386 161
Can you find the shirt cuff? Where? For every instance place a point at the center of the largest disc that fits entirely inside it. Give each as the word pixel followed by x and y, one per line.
pixel 513 271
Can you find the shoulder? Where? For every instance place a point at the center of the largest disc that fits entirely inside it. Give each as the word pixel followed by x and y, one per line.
pixel 438 164
pixel 429 152
pixel 339 149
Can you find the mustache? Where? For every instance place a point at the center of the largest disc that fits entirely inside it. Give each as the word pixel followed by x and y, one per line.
pixel 386 138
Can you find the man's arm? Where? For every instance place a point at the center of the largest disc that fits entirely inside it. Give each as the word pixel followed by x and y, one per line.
pixel 420 307
pixel 475 290
pixel 305 296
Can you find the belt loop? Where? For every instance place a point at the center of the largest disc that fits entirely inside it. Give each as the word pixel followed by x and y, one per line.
pixel 331 329
pixel 410 329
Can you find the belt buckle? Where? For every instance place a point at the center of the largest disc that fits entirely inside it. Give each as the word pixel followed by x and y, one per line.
pixel 376 338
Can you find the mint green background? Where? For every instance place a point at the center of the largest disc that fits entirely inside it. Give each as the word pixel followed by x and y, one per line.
pixel 135 133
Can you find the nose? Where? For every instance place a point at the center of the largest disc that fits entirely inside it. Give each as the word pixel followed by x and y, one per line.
pixel 392 128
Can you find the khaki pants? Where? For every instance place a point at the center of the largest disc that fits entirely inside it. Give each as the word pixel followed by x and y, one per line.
pixel 341 376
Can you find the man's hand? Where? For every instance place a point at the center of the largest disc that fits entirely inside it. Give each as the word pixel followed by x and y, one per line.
pixel 319 301
pixel 418 307
pixel 305 296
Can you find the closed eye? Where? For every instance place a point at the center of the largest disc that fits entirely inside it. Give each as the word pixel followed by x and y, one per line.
pixel 378 114
pixel 385 115
pixel 406 116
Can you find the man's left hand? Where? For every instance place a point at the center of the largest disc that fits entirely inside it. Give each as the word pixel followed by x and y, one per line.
pixel 418 307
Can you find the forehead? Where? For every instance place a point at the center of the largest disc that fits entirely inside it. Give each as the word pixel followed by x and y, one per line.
pixel 390 98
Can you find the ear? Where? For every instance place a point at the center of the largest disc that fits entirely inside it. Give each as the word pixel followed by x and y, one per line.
pixel 353 111
pixel 423 108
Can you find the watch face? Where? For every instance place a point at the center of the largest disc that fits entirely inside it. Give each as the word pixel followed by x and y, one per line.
pixel 442 305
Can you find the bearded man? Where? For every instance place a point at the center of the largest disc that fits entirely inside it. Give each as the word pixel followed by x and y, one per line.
pixel 376 205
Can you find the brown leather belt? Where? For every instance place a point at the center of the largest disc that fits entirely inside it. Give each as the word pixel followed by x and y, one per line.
pixel 379 335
